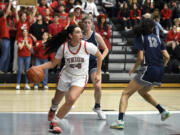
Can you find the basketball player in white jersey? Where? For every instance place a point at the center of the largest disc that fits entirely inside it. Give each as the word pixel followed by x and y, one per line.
pixel 74 75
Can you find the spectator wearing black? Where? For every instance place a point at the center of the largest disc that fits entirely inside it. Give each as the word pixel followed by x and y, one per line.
pixel 38 28
pixel 175 10
pixel 123 16
pixel 69 5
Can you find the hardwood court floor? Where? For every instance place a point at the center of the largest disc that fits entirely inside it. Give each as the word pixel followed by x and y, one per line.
pixel 39 101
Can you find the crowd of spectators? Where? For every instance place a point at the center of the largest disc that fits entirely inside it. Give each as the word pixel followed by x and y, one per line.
pixel 166 14
pixel 24 29
pixel 49 17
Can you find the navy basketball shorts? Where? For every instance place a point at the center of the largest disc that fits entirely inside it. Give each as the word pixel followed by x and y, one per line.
pixel 150 75
pixel 92 66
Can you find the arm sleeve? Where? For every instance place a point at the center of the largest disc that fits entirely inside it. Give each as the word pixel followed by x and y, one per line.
pixel 138 43
pixel 91 48
pixel 59 54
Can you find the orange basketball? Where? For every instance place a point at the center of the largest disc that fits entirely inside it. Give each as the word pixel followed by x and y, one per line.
pixel 35 74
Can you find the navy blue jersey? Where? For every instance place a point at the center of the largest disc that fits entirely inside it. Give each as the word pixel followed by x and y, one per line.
pixel 92 39
pixel 152 47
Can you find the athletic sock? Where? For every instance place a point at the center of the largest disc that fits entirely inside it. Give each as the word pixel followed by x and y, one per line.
pixel 121 116
pixel 160 108
pixel 53 106
pixel 97 106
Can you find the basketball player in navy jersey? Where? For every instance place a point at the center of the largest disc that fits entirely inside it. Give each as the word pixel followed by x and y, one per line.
pixel 96 39
pixel 150 74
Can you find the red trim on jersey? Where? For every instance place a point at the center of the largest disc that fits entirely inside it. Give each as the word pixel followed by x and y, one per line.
pixel 76 51
pixel 59 77
pixel 63 48
pixel 85 47
pixel 85 83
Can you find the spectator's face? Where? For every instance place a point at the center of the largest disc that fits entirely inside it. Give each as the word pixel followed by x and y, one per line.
pixel 134 6
pixel 56 19
pixel 165 6
pixel 77 10
pixel 43 2
pixel 71 1
pixel 87 24
pixel 177 23
pixel 25 33
pixel 47 11
pixel 24 17
pixel 45 36
pixel 39 17
pixel 103 19
pixel 61 1
pixel 125 5
pixel 61 9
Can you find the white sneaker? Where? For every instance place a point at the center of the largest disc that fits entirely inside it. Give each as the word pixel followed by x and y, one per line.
pixel 45 87
pixel 35 87
pixel 165 115
pixel 100 113
pixel 18 87
pixel 27 87
pixel 118 124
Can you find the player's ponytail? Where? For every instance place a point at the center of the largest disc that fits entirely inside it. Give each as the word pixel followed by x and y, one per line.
pixel 145 27
pixel 56 41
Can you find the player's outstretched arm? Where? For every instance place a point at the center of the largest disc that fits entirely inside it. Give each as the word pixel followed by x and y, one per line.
pixel 50 64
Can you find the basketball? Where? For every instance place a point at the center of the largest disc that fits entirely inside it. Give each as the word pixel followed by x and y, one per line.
pixel 35 74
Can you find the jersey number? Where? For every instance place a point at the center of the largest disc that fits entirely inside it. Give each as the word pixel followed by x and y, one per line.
pixel 152 42
pixel 78 65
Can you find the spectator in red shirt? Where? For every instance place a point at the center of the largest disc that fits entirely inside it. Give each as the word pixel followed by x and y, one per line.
pixel 135 15
pixel 63 16
pixel 105 31
pixel 5 42
pixel 41 8
pixel 173 38
pixel 48 17
pixel 166 17
pixel 22 23
pixel 41 58
pixel 24 57
pixel 55 27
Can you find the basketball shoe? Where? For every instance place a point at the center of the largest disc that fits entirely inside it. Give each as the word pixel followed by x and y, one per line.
pixel 118 124
pixel 164 115
pixel 100 113
pixel 54 128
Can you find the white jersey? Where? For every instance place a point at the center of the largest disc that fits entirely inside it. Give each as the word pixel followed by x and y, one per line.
pixel 76 58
